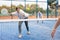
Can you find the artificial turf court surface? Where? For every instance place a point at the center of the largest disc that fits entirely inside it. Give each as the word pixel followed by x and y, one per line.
pixel 40 31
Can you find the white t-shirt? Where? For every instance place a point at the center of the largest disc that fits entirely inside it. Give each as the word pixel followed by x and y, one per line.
pixel 21 14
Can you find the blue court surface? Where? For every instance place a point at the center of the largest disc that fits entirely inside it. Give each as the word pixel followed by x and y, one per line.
pixel 40 31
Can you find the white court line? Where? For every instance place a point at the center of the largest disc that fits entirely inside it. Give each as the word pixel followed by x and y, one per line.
pixel 9 20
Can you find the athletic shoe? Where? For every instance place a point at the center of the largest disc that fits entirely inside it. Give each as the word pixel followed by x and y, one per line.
pixel 20 35
pixel 28 32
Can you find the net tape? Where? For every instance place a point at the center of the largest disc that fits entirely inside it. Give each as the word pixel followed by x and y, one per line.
pixel 10 20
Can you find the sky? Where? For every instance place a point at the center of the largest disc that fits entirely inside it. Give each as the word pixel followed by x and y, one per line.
pixel 23 0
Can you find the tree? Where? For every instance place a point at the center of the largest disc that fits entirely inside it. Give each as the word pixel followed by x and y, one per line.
pixel 33 8
pixel 0 9
pixel 21 6
pixel 13 8
pixel 53 4
pixel 50 2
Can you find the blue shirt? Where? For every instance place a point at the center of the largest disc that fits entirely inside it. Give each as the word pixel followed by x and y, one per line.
pixel 39 14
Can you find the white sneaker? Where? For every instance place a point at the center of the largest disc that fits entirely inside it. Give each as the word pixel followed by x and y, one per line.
pixel 20 35
pixel 28 32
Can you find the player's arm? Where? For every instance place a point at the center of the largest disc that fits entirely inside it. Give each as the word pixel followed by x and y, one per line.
pixel 13 13
pixel 55 27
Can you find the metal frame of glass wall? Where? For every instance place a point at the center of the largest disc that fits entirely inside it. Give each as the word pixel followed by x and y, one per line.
pixel 47 13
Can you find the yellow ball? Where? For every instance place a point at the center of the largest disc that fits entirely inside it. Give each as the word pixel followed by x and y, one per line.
pixel 28 8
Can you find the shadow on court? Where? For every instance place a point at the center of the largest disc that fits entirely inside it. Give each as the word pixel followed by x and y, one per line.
pixel 40 31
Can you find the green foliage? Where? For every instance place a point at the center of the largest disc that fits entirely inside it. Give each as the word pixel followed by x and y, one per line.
pixel 50 2
pixel 21 6
pixel 4 15
pixel 29 9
